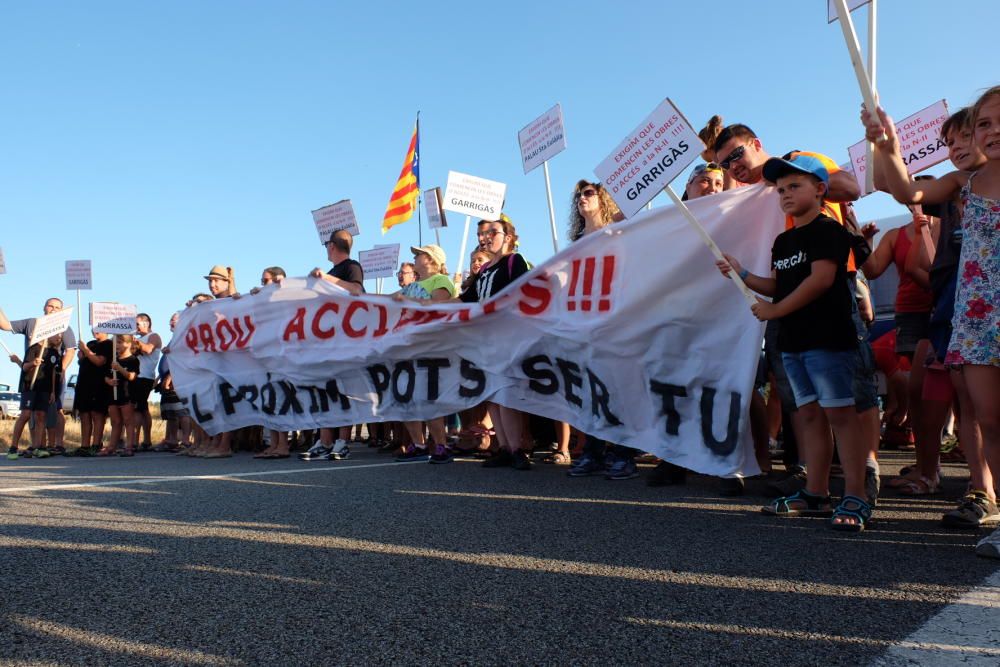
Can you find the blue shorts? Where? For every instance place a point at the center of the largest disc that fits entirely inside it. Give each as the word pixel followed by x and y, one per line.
pixel 824 376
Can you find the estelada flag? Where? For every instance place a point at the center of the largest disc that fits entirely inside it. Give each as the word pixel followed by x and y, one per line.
pixel 403 202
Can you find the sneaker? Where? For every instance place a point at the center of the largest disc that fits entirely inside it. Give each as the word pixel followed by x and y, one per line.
pixel 731 487
pixel 414 453
pixel 666 474
pixel 873 485
pixel 621 468
pixel 42 454
pixel 989 546
pixel 974 510
pixel 795 482
pixel 442 454
pixel 12 455
pixel 585 466
pixel 339 452
pixel 318 452
pixel 521 460
pixel 502 458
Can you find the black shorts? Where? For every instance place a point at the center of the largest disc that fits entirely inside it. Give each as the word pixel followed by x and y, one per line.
pixel 92 399
pixel 139 390
pixel 39 401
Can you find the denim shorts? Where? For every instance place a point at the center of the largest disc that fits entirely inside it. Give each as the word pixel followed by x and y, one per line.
pixel 825 376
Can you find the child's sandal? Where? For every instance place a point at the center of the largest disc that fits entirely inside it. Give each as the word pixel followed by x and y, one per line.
pixel 851 507
pixel 800 503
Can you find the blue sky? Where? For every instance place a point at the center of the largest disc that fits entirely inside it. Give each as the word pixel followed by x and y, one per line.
pixel 159 139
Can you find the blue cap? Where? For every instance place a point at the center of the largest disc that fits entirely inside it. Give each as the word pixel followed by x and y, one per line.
pixel 775 168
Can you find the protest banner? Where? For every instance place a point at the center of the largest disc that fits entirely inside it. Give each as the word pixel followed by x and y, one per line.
pixel 831 9
pixel 593 336
pixel 3 263
pixel 380 261
pixel 540 141
pixel 49 325
pixel 920 143
pixel 648 158
pixel 78 274
pixel 334 218
pixel 472 196
pixel 112 318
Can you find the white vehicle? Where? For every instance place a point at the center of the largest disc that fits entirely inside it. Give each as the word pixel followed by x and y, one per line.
pixel 10 405
pixel 69 395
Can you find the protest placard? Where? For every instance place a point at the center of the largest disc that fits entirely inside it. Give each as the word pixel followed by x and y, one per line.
pixel 3 263
pixel 380 261
pixel 334 218
pixel 649 157
pixel 474 196
pixel 50 325
pixel 435 214
pixel 78 275
pixel 542 138
pixel 920 143
pixel 831 9
pixel 112 318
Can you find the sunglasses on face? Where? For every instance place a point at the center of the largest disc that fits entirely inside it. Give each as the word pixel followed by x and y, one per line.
pixel 733 157
pixel 588 193
pixel 489 233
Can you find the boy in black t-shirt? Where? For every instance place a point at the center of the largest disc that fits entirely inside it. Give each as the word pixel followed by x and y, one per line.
pixel 43 393
pixel 817 339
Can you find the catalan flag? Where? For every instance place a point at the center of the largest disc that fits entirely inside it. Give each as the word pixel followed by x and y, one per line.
pixel 403 202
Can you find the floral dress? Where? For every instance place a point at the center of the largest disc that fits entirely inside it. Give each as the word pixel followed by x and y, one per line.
pixel 976 323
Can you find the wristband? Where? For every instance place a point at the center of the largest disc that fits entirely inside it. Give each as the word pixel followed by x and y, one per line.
pixel 743 274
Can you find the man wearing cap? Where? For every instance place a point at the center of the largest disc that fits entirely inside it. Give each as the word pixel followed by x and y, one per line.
pixel 347 274
pixel 705 179
pixel 25 327
pixel 817 339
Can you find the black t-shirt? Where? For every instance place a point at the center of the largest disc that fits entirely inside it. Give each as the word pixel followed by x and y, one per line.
pixel 824 323
pixel 49 373
pixel 131 364
pixel 349 271
pixel 90 376
pixel 949 249
pixel 491 279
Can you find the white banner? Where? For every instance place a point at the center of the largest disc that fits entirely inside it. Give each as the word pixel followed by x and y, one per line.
pixel 78 275
pixel 471 195
pixel 3 263
pixel 542 139
pixel 380 261
pixel 831 9
pixel 333 218
pixel 435 214
pixel 607 335
pixel 112 318
pixel 920 143
pixel 47 326
pixel 649 157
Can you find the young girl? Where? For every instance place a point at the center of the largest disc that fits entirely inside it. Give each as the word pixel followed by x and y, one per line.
pixel 974 345
pixel 121 376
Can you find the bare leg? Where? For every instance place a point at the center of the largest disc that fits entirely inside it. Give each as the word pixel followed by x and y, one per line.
pixel 563 433
pixel 971 438
pixel 759 428
pixel 816 447
pixel 983 384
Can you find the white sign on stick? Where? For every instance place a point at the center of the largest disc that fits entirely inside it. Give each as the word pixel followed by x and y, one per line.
pixel 3 264
pixel 920 143
pixel 542 139
pixel 380 261
pixel 78 275
pixel 435 214
pixel 831 10
pixel 649 157
pixel 471 195
pixel 112 318
pixel 47 326
pixel 334 218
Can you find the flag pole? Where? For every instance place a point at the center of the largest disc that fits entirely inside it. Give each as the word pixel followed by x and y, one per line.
pixel 420 223
pixel 552 211
pixel 740 285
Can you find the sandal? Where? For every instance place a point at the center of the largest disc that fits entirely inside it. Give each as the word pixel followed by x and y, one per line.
pixel 558 458
pixel 128 451
pixel 920 487
pixel 806 504
pixel 106 451
pixel 851 507
pixel 904 479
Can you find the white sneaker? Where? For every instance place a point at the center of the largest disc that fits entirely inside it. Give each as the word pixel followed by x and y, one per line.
pixel 989 546
pixel 340 451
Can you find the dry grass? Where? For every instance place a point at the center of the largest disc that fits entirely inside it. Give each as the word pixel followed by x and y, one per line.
pixel 72 436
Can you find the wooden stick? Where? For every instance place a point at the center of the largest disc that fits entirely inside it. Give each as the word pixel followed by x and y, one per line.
pixel 740 285
pixel 870 149
pixel 6 349
pixel 854 49
pixel 38 367
pixel 114 359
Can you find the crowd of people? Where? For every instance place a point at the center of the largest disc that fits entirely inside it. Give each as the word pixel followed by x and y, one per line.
pixel 816 380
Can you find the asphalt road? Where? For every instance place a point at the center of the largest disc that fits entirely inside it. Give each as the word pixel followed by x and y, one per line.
pixel 366 562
